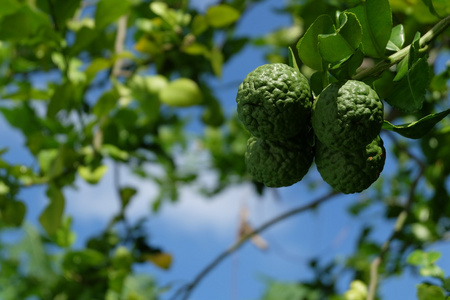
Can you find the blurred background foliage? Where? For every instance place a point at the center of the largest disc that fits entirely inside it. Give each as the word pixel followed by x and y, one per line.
pixel 93 85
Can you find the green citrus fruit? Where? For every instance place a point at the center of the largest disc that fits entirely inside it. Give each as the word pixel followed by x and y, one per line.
pixel 351 172
pixel 347 116
pixel 278 163
pixel 274 102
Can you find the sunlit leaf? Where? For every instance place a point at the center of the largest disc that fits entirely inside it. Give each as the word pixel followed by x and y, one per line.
pixel 162 260
pixel 222 15
pixel 92 176
pixel 397 38
pixel 181 92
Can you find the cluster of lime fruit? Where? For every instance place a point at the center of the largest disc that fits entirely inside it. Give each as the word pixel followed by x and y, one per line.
pixel 339 129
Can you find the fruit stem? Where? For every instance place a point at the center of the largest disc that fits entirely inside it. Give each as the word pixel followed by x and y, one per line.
pixel 399 55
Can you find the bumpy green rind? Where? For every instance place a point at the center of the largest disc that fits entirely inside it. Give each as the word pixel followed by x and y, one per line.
pixel 347 116
pixel 274 102
pixel 278 163
pixel 351 172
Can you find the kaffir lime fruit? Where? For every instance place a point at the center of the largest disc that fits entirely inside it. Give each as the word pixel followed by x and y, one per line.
pixel 278 163
pixel 274 102
pixel 347 116
pixel 351 172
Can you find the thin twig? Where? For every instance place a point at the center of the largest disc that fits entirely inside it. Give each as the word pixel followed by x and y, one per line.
pixel 119 44
pixel 399 55
pixel 186 290
pixel 398 227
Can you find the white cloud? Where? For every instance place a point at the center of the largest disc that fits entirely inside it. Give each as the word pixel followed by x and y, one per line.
pixel 192 213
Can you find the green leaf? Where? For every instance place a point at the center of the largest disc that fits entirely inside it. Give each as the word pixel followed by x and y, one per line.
pixel 222 15
pixel 24 23
pixel 109 11
pixel 64 236
pixel 316 82
pixel 126 194
pixel 199 24
pixel 339 46
pixel 114 152
pixel 384 84
pixel 429 4
pixel 417 129
pixel 13 214
pixel 92 176
pixel 409 93
pixel 376 20
pixel 292 60
pixel 216 58
pixel 308 45
pixel 422 258
pixel 98 64
pixel 397 38
pixel 181 92
pixel 105 104
pixel 51 217
pixel 61 11
pixel 8 7
pixel 432 271
pixel 429 292
pixel 64 97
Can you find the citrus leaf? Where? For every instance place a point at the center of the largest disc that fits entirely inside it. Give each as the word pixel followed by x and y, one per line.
pixel 109 11
pixel 429 292
pixel 181 92
pixel 308 45
pixel 429 4
pixel 397 38
pixel 8 7
pixel 376 20
pixel 64 236
pixel 222 15
pixel 125 195
pixel 292 60
pixel 13 214
pixel 51 217
pixel 199 24
pixel 409 93
pixel 422 258
pixel 92 176
pixel 162 260
pixel 417 129
pixel 342 44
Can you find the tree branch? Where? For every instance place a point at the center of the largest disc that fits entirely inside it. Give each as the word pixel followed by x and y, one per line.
pixel 398 227
pixel 186 290
pixel 119 44
pixel 399 55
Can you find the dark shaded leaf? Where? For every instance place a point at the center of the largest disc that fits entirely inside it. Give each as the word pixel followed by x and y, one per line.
pixel 308 45
pixel 417 129
pixel 51 217
pixel 409 93
pixel 376 20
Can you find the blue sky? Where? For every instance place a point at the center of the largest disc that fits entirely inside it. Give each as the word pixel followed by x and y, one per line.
pixel 195 230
